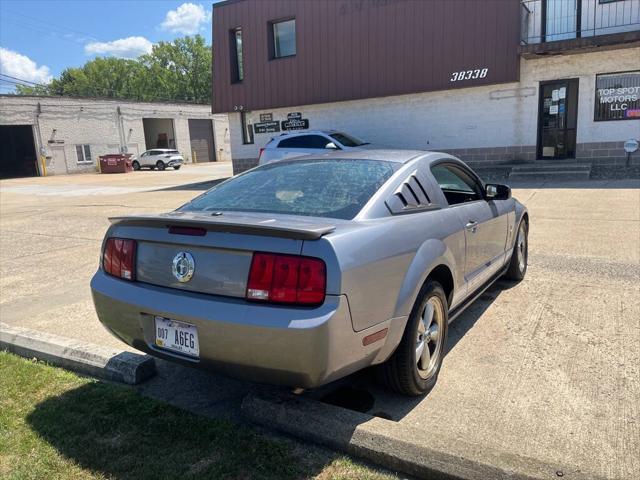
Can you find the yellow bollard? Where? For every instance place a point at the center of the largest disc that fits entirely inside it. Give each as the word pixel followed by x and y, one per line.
pixel 43 159
pixel 194 157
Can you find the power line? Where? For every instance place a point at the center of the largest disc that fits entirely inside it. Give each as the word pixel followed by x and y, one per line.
pixel 21 80
pixel 51 25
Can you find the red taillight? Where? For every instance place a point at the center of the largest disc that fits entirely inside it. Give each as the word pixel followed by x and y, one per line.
pixel 286 279
pixel 119 258
pixel 260 156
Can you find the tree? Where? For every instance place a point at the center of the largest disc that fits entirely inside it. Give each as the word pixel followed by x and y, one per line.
pixel 178 70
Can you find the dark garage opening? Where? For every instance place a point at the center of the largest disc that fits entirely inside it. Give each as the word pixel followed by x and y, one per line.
pixel 158 133
pixel 201 136
pixel 17 152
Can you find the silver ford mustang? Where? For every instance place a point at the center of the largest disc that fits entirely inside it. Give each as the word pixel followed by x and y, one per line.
pixel 303 271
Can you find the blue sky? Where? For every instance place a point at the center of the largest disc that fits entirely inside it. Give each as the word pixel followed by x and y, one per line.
pixel 40 38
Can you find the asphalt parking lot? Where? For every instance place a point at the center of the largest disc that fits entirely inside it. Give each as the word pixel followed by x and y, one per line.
pixel 548 369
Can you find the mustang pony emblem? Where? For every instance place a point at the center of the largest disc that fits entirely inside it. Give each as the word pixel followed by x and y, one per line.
pixel 183 266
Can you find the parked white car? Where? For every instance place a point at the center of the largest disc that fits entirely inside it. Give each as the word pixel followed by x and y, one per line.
pixel 308 142
pixel 159 158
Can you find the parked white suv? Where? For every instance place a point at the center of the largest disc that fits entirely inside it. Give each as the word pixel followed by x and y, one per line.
pixel 297 144
pixel 159 158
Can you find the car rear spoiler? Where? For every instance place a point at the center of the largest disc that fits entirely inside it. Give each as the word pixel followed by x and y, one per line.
pixel 231 223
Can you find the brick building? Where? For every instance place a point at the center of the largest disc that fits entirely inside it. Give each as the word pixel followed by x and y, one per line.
pixel 69 134
pixel 494 81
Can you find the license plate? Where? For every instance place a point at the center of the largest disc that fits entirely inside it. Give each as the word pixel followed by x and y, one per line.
pixel 177 336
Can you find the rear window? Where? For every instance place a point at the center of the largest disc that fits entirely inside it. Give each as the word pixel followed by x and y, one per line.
pixel 319 188
pixel 347 140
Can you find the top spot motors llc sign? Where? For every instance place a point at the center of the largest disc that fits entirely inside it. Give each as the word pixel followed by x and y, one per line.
pixel 295 121
pixel 618 96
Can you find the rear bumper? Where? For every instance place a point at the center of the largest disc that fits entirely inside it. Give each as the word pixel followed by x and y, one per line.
pixel 175 161
pixel 301 347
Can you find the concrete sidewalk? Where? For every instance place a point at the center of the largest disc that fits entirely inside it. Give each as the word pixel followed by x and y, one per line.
pixel 548 369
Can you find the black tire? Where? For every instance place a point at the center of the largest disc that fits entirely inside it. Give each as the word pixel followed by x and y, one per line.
pixel 518 265
pixel 160 165
pixel 177 167
pixel 401 372
pixel 135 165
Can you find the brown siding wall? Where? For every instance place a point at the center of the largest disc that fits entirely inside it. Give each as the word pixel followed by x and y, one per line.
pixel 352 49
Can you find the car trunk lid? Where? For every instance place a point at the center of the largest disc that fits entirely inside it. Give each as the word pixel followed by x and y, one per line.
pixel 221 246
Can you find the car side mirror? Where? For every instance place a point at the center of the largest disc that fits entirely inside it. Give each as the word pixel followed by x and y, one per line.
pixel 331 146
pixel 495 191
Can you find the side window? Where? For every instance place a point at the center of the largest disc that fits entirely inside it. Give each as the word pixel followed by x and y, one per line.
pixel 293 142
pixel 456 184
pixel 318 141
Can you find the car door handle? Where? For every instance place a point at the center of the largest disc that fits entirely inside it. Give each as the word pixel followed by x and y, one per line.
pixel 471 226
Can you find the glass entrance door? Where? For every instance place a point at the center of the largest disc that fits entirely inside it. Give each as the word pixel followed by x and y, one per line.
pixel 557 119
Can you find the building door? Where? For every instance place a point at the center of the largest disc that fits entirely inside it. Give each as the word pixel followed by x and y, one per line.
pixel 201 135
pixel 18 156
pixel 57 164
pixel 557 119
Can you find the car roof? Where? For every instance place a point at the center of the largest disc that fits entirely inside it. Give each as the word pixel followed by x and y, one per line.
pixel 386 154
pixel 162 149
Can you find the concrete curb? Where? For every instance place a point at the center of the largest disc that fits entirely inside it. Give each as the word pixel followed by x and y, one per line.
pixel 393 445
pixel 86 358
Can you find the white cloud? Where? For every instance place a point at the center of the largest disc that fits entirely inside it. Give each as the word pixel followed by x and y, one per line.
pixel 129 47
pixel 188 19
pixel 20 66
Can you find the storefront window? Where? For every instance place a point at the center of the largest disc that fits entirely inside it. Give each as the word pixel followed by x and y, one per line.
pixel 617 96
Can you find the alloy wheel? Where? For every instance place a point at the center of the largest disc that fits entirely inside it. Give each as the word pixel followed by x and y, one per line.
pixel 521 247
pixel 429 339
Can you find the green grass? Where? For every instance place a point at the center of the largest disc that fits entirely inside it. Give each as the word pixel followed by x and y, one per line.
pixel 57 425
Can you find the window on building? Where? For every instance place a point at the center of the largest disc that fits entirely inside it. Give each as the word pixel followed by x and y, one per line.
pixel 237 64
pixel 617 96
pixel 283 38
pixel 247 129
pixel 84 154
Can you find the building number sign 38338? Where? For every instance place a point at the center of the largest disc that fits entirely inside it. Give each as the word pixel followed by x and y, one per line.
pixel 469 74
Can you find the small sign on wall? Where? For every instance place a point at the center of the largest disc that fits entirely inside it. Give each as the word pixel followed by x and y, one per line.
pixel 266 127
pixel 295 121
pixel 266 117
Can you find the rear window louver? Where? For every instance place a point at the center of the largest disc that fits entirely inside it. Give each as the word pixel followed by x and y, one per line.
pixel 410 196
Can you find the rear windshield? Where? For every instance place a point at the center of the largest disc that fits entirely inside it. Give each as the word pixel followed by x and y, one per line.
pixel 347 140
pixel 319 188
